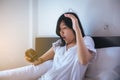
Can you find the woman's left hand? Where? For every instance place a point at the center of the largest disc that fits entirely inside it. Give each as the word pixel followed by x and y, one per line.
pixel 74 21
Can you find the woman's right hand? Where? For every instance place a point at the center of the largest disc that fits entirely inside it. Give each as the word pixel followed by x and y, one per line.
pixel 31 55
pixel 38 61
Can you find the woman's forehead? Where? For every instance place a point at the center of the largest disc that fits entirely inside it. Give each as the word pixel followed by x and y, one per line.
pixel 62 24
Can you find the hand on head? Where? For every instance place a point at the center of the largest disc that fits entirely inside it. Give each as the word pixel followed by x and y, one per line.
pixel 74 21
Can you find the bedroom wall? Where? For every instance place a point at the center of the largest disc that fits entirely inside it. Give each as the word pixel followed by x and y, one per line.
pixel 98 17
pixel 16 31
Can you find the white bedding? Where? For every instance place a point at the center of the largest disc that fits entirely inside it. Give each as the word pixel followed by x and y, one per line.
pixel 106 67
pixel 30 72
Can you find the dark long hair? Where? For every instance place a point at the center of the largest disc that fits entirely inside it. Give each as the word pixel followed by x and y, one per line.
pixel 68 23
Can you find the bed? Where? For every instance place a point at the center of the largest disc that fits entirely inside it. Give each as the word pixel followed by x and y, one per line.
pixel 105 67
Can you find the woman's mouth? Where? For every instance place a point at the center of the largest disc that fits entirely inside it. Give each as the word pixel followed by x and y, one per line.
pixel 63 37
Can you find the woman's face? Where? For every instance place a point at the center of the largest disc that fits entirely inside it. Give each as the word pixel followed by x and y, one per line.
pixel 66 33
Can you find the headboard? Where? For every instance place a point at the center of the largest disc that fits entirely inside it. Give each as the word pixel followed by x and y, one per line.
pixel 111 41
pixel 42 44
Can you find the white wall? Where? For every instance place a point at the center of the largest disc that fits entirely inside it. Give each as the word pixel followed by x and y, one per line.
pixel 102 17
pixel 99 17
pixel 16 32
pixel 49 12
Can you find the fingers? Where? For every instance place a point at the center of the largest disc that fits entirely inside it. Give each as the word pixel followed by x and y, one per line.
pixel 70 16
pixel 74 21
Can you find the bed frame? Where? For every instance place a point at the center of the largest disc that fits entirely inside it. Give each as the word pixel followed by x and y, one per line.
pixel 111 41
pixel 42 44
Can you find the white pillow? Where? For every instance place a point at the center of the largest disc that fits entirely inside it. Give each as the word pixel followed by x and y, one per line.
pixel 29 72
pixel 106 64
pixel 109 75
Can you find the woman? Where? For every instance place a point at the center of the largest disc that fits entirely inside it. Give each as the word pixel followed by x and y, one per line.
pixel 71 54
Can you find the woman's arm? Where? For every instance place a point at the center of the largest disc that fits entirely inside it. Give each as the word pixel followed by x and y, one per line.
pixel 47 56
pixel 84 54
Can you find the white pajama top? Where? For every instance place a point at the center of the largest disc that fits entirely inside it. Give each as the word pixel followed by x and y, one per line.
pixel 66 65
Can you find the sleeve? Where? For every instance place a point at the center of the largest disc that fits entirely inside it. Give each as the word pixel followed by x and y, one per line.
pixel 91 46
pixel 56 44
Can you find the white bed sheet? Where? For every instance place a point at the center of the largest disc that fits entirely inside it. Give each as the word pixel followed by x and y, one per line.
pixel 29 72
pixel 106 67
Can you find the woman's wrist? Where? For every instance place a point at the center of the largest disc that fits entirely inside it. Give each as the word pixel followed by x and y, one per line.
pixel 38 61
pixel 41 60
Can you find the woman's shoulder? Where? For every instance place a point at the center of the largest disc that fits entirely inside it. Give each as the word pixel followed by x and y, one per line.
pixel 57 43
pixel 87 37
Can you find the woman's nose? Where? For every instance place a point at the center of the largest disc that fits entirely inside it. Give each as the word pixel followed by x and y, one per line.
pixel 61 32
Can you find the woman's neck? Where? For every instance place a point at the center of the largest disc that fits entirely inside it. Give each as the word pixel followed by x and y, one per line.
pixel 69 45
